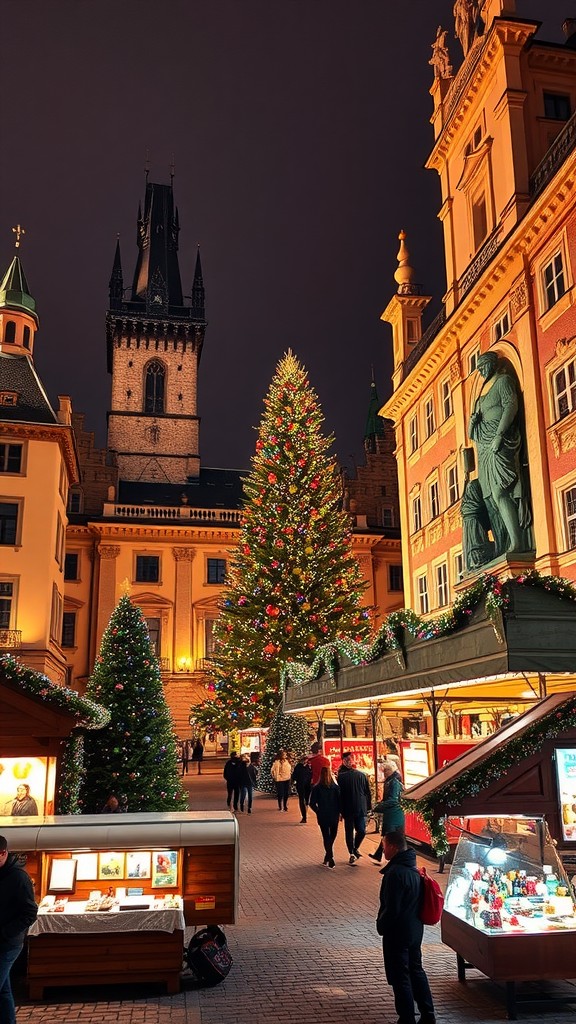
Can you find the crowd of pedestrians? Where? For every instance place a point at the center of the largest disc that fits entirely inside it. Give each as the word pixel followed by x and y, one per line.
pixel 347 798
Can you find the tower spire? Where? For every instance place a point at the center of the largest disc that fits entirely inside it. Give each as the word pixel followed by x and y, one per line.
pixel 374 422
pixel 116 283
pixel 198 295
pixel 404 273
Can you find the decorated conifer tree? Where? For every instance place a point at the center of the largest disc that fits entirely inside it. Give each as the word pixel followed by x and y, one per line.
pixel 135 755
pixel 286 732
pixel 293 582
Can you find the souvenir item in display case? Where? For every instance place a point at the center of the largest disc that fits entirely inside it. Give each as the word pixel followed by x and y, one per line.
pixel 508 878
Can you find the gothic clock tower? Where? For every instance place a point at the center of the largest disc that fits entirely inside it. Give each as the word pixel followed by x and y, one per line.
pixel 154 342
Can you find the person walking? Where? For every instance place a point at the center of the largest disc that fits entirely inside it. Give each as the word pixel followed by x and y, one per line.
pixel 18 911
pixel 317 762
pixel 281 772
pixel 198 754
pixel 399 924
pixel 389 807
pixel 185 747
pixel 232 775
pixel 302 779
pixel 325 802
pixel 355 801
pixel 246 783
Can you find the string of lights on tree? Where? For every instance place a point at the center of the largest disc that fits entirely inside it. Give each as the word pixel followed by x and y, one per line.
pixel 390 637
pixel 286 732
pixel 472 781
pixel 135 755
pixel 293 582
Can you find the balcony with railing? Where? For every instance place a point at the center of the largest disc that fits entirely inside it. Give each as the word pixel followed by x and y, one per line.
pixel 10 639
pixel 174 513
pixel 425 341
pixel 563 144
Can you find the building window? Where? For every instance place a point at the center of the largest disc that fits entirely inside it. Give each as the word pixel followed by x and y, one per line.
pixel 69 629
pixel 553 280
pixel 215 570
pixel 10 332
pixel 71 566
pixel 6 601
pixel 446 398
pixel 412 332
pixel 423 601
pixel 458 567
pixel 56 615
pixel 565 390
pixel 154 634
pixel 8 522
pixel 147 568
pixel 556 107
pixel 10 458
pixel 479 220
pixel 8 398
pixel 452 485
pixel 75 501
pixel 388 518
pixel 570 516
pixel 209 642
pixel 429 416
pixel 59 548
pixel 473 361
pixel 154 388
pixel 26 336
pixel 417 514
pixel 442 584
pixel 413 434
pixel 395 578
pixel 502 326
pixel 434 500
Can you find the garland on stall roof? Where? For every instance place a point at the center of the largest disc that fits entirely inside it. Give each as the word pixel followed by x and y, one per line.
pixel 389 638
pixel 89 714
pixel 474 780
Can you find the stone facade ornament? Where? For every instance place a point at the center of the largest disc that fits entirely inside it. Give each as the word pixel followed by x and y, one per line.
pixel 440 59
pixel 519 299
pixel 183 554
pixel 108 551
pixel 496 509
pixel 468 23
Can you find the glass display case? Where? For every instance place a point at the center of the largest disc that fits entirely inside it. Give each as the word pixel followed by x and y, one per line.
pixel 509 909
pixel 509 878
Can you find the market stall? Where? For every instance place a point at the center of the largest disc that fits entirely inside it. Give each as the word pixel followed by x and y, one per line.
pixel 115 892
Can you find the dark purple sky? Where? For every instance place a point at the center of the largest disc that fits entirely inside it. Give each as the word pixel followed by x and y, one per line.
pixel 299 130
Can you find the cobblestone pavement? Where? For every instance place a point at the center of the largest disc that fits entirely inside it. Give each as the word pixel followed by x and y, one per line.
pixel 305 949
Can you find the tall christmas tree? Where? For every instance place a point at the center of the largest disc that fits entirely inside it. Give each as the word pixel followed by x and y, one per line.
pixel 135 755
pixel 293 582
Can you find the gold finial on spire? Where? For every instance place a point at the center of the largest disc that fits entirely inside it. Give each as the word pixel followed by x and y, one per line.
pixel 18 231
pixel 404 274
pixel 125 587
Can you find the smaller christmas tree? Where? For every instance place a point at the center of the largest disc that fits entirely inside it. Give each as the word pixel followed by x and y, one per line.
pixel 286 732
pixel 135 755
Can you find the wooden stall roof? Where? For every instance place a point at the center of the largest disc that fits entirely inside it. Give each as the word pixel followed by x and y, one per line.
pixel 485 749
pixel 538 635
pixel 120 831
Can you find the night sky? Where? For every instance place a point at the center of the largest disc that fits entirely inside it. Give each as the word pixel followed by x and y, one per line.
pixel 299 130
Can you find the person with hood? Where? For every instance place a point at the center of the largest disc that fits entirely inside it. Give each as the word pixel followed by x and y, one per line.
pixel 232 774
pixel 325 802
pixel 302 779
pixel 18 911
pixel 399 924
pixel 389 806
pixel 355 802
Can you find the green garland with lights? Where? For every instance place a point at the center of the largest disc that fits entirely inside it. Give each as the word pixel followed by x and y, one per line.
pixel 293 582
pixel 474 780
pixel 88 714
pixel 389 638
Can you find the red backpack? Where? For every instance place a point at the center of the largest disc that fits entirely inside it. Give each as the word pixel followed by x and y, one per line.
pixel 432 899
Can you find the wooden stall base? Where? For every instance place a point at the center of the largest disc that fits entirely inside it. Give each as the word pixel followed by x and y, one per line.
pixel 510 959
pixel 104 959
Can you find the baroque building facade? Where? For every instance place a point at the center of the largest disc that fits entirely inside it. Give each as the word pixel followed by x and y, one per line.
pixel 502 347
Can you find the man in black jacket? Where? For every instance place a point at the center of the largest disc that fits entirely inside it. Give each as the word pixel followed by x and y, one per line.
pixel 18 911
pixel 355 801
pixel 399 924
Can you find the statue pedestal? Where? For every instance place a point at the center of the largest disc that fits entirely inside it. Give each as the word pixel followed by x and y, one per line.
pixel 506 566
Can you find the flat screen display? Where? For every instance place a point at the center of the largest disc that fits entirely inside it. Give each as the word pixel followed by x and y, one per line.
pixel 566 775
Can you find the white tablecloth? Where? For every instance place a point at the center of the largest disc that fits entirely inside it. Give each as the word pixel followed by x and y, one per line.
pixel 75 919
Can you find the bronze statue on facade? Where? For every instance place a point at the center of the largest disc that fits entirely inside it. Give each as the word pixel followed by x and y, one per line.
pixel 502 486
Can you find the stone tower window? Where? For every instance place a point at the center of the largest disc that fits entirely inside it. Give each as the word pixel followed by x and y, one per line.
pixel 10 332
pixel 26 336
pixel 154 388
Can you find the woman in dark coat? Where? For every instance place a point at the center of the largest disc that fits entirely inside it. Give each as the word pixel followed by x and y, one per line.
pixel 389 807
pixel 325 802
pixel 198 754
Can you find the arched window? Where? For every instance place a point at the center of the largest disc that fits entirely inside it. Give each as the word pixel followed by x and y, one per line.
pixel 26 337
pixel 155 386
pixel 10 332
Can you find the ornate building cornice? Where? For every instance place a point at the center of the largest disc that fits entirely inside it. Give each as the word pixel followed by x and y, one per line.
pixel 60 432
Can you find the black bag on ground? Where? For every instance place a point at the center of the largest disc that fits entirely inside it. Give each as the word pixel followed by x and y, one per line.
pixel 208 956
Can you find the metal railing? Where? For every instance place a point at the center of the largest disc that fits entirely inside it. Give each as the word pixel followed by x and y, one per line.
pixel 427 338
pixel 563 144
pixel 479 263
pixel 10 639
